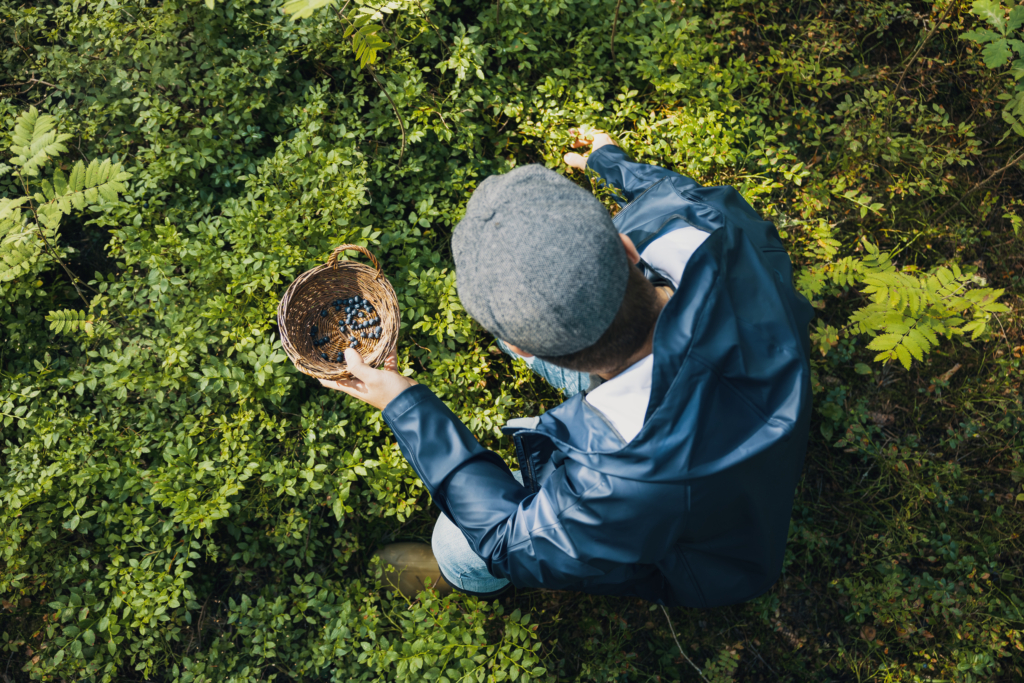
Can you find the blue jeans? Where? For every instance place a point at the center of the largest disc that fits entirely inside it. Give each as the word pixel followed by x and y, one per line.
pixel 462 567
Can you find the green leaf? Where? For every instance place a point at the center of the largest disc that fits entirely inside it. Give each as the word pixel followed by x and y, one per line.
pixel 301 9
pixel 862 369
pixel 211 3
pixel 992 12
pixel 982 35
pixel 911 344
pixel 885 342
pixel 89 637
pixel 77 181
pixel 1016 19
pixel 35 141
pixel 996 53
pixel 904 355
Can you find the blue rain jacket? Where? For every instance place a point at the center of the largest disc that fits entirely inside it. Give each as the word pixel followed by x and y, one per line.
pixel 694 510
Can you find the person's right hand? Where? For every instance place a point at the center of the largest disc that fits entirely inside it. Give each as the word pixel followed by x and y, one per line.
pixel 597 139
pixel 376 387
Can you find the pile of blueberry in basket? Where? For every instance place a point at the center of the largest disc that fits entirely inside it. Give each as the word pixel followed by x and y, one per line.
pixel 360 322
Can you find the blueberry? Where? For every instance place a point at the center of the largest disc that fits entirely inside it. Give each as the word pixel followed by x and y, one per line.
pixel 324 356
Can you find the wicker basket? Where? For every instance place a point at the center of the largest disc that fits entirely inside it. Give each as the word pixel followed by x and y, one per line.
pixel 311 300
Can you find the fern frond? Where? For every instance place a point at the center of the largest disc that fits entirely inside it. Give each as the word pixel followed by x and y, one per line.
pixel 8 206
pixel 86 185
pixel 366 43
pixel 68 321
pixel 19 243
pixel 35 141
pixel 49 216
pixel 885 342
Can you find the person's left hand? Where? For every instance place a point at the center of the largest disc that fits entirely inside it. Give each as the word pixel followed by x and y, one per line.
pixel 585 136
pixel 376 387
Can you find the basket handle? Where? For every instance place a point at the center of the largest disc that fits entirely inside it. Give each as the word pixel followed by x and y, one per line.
pixel 333 260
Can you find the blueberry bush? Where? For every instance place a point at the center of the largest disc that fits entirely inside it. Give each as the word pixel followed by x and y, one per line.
pixel 178 503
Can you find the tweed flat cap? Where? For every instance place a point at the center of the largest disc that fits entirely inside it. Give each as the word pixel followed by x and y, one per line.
pixel 538 261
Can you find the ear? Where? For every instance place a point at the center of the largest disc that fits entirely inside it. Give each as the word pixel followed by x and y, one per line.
pixel 631 253
pixel 516 349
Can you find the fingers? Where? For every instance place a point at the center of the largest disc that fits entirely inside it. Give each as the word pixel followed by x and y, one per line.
pixel 581 139
pixel 357 366
pixel 576 161
pixel 352 387
pixel 391 362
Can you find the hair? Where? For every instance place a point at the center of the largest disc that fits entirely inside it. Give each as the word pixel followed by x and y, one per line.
pixel 628 332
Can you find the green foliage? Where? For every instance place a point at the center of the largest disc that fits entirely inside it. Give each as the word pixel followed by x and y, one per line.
pixel 365 40
pixel 1001 41
pixel 364 35
pixel 70 321
pixel 722 669
pixel 908 310
pixel 35 141
pixel 178 503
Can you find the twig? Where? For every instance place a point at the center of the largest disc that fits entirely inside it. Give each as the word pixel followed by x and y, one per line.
pixel 52 251
pixel 401 123
pixel 1005 338
pixel 949 7
pixel 948 374
pixel 615 23
pixel 31 80
pixel 758 655
pixel 977 187
pixel 669 619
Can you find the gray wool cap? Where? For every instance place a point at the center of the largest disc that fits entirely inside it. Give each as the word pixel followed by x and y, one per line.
pixel 538 261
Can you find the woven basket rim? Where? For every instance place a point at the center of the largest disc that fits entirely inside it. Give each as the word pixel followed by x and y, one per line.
pixel 373 285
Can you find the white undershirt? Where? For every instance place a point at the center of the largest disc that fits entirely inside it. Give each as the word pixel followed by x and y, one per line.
pixel 623 399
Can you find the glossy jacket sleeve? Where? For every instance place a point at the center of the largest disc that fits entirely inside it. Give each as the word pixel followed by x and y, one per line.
pixel 468 482
pixel 554 538
pixel 618 170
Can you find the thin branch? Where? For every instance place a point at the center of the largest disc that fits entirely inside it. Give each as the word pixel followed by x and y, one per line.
pixel 53 252
pixel 401 123
pixel 615 23
pixel 949 7
pixel 669 619
pixel 394 108
pixel 977 187
pixel 31 80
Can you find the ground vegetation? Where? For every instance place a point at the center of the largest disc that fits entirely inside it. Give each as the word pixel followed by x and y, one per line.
pixel 178 503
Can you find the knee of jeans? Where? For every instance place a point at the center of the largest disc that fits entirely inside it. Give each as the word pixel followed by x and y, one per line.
pixel 441 540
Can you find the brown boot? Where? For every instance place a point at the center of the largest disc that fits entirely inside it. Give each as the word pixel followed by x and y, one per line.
pixel 413 562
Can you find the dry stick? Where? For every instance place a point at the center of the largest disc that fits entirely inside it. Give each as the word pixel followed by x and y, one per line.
pixel 669 619
pixel 393 107
pixel 758 655
pixel 949 7
pixel 615 23
pixel 977 187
